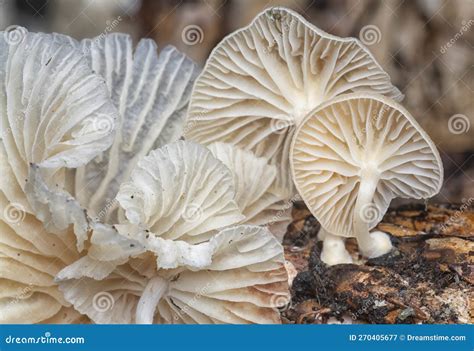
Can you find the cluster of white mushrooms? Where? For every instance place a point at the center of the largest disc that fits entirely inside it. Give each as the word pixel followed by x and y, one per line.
pixel 108 217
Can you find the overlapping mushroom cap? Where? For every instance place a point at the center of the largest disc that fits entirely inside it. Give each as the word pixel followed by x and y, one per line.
pixel 260 82
pixel 172 255
pixel 151 92
pixel 50 106
pixel 353 155
pixel 259 192
pixel 245 283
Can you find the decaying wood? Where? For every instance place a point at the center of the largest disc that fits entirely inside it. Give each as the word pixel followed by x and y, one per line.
pixel 427 278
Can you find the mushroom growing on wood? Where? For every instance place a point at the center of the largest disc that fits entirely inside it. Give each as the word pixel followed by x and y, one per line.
pixel 50 101
pixel 350 157
pixel 173 244
pixel 261 81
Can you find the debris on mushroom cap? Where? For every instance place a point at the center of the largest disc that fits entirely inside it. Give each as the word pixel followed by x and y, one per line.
pixel 260 82
pixel 353 155
pixel 260 195
pixel 245 283
pixel 50 103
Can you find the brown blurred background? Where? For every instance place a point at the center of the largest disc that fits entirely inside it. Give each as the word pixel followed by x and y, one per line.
pixel 425 45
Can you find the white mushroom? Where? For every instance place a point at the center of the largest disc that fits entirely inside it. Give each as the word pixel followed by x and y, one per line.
pixel 260 82
pixel 172 246
pixel 353 155
pixel 151 92
pixel 50 103
pixel 258 191
pixel 245 283
pixel 180 192
pixel 177 196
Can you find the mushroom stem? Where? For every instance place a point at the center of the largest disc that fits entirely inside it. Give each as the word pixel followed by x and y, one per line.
pixel 149 300
pixel 370 244
pixel 334 250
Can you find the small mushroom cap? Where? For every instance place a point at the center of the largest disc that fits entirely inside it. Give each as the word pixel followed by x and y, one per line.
pixel 344 140
pixel 245 283
pixel 260 82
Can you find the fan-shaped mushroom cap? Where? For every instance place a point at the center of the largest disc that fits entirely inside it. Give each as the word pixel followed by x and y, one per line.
pixel 177 196
pixel 353 155
pixel 258 191
pixel 171 255
pixel 245 283
pixel 50 104
pixel 151 92
pixel 260 82
pixel 180 192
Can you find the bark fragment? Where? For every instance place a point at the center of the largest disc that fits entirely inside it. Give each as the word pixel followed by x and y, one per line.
pixel 427 278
